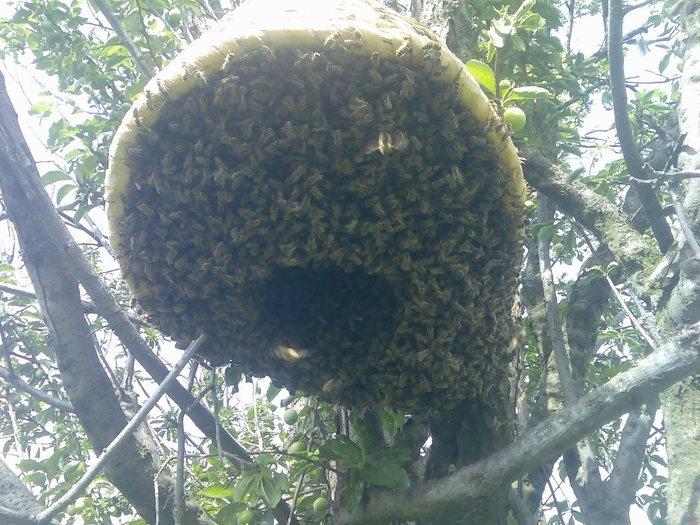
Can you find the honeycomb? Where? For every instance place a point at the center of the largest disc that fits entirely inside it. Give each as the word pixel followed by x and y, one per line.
pixel 331 216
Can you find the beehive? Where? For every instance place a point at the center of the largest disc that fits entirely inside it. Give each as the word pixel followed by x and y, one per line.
pixel 324 191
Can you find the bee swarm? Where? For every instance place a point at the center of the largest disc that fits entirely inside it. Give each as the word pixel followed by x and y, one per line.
pixel 334 221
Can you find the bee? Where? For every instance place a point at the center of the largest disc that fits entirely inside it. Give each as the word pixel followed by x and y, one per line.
pixel 137 117
pixel 228 62
pixel 145 209
pixel 386 144
pixel 298 83
pixel 329 42
pixel 296 174
pixel 405 49
pixel 332 386
pixel 200 77
pixel 375 77
pixel 149 99
pixel 316 193
pixel 290 354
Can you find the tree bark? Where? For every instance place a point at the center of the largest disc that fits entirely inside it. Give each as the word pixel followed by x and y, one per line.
pixel 681 404
pixel 133 469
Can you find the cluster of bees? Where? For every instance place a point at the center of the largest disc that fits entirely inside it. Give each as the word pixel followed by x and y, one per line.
pixel 331 220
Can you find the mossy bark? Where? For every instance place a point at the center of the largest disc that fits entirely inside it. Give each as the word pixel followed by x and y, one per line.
pixel 681 404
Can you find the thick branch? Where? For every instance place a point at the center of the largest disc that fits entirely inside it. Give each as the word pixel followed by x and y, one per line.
pixel 633 159
pixel 671 363
pixel 16 501
pixel 594 212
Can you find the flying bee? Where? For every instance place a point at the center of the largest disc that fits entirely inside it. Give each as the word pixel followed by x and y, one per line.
pixel 332 386
pixel 290 354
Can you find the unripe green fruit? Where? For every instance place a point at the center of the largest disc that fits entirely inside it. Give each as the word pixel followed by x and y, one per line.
pixel 244 517
pixel 297 447
pixel 81 504
pixel 558 248
pixel 290 416
pixel 515 117
pixel 71 510
pixel 321 505
pixel 504 85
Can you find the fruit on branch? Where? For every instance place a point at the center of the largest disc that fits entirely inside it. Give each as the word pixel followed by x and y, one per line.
pixel 515 117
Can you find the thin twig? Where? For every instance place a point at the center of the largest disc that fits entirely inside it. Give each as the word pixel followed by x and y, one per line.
pixel 179 507
pixel 15 381
pixel 215 405
pixel 124 38
pixel 550 297
pixel 132 425
pixel 293 504
pixel 673 189
pixel 623 304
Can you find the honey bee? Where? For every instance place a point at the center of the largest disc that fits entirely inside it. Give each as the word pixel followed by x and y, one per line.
pixel 290 354
pixel 405 49
pixel 332 386
pixel 200 77
pixel 137 117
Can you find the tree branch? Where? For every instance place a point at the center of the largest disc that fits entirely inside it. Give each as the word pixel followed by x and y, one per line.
pixel 109 452
pixel 594 212
pixel 456 494
pixel 15 381
pixel 59 299
pixel 113 21
pixel 41 209
pixel 633 159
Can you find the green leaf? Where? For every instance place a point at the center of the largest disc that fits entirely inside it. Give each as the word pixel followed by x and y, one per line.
pixel 63 191
pixel 341 449
pixel 37 478
pixel 244 484
pixel 524 8
pixel 53 176
pixel 216 490
pixel 29 464
pixel 271 491
pixel 518 43
pixel 483 74
pixel 265 459
pixel 529 93
pixel 495 37
pixel 385 473
pixel 272 392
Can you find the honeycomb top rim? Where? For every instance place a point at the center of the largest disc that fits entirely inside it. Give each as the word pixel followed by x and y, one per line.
pixel 280 24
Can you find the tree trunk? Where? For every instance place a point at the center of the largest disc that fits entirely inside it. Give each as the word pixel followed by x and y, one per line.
pixel 681 404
